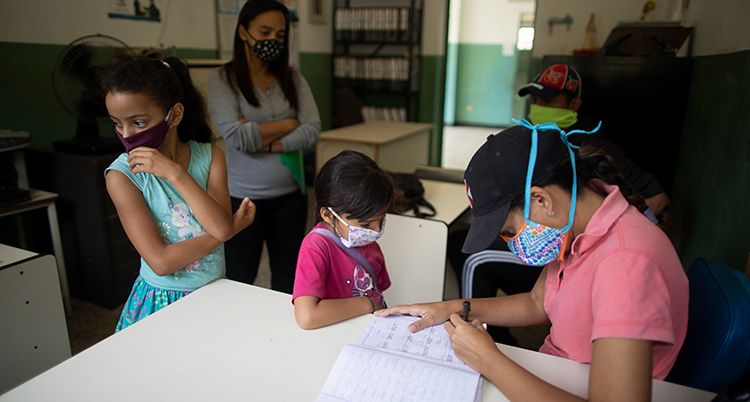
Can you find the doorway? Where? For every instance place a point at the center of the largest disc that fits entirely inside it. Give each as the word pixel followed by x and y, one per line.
pixel 487 59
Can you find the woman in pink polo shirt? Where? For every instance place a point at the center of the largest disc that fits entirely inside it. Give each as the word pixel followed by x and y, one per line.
pixel 612 287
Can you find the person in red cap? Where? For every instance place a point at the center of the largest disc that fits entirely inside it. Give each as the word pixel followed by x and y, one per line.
pixel 555 98
pixel 612 286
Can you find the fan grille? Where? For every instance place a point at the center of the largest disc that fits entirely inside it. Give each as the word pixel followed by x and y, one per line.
pixel 76 74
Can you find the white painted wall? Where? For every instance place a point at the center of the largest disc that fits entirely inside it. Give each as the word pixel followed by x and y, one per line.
pixel 434 26
pixel 315 38
pixel 491 22
pixel 607 14
pixel 185 23
pixel 720 26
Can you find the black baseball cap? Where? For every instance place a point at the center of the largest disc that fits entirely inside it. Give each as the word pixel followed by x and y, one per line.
pixel 496 175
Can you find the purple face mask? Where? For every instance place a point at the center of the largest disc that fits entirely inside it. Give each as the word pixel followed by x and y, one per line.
pixel 152 137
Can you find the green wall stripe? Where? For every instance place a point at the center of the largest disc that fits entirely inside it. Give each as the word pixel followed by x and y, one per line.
pixel 317 69
pixel 195 53
pixel 432 102
pixel 485 85
pixel 29 103
pixel 451 74
pixel 711 192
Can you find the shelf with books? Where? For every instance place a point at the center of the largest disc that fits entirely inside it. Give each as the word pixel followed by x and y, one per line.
pixel 377 24
pixel 377 50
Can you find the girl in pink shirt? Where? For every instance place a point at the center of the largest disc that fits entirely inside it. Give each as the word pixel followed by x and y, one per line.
pixel 612 287
pixel 340 268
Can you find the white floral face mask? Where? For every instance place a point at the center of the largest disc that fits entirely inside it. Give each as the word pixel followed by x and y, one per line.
pixel 358 236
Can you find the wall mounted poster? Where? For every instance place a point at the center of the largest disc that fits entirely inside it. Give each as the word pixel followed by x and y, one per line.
pixel 227 12
pixel 146 10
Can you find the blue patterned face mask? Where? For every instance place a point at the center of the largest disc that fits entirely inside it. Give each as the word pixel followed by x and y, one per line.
pixel 537 244
pixel 358 236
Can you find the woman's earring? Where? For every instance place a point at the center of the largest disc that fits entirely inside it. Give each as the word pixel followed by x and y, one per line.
pixel 550 213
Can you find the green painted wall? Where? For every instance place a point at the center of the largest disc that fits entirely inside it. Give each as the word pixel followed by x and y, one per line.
pixel 432 100
pixel 29 102
pixel 711 192
pixel 317 69
pixel 451 73
pixel 524 74
pixel 485 84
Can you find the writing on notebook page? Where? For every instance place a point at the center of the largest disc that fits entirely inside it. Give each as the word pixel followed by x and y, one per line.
pixel 390 363
pixel 393 334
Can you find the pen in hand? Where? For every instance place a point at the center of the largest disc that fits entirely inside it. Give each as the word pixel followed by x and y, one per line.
pixel 467 308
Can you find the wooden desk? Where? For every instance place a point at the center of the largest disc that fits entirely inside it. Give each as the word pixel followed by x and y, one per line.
pixel 41 199
pixel 234 342
pixel 398 147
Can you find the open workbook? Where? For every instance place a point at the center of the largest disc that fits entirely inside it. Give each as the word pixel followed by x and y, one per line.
pixel 389 363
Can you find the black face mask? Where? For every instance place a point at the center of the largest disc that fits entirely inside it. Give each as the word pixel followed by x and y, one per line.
pixel 267 49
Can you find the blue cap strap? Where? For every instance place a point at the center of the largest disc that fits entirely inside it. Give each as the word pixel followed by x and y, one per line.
pixel 532 157
pixel 532 163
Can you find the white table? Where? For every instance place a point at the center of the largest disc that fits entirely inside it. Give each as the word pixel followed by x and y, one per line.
pixel 33 330
pixel 42 199
pixel 234 342
pixel 398 147
pixel 450 202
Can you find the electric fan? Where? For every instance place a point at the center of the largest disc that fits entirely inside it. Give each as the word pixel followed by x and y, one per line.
pixel 76 82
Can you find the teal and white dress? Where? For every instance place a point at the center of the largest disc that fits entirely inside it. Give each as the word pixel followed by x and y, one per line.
pixel 176 223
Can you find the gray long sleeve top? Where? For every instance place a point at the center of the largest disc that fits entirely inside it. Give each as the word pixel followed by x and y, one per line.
pixel 251 171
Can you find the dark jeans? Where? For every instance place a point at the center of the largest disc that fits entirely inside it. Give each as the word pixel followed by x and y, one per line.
pixel 491 276
pixel 280 223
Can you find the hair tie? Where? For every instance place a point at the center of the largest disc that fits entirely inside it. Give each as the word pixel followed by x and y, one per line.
pixel 166 64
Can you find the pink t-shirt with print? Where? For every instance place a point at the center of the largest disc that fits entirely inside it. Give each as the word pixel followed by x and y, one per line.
pixel 326 271
pixel 622 278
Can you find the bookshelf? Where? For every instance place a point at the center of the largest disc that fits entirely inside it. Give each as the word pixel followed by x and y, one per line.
pixel 377 54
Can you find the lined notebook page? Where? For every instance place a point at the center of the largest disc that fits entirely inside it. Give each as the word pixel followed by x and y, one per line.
pixel 392 333
pixel 389 363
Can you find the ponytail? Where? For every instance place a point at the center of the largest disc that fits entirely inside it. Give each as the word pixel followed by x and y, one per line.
pixel 194 124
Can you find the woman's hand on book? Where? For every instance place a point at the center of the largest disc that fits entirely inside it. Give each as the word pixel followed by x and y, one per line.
pixel 472 343
pixel 431 313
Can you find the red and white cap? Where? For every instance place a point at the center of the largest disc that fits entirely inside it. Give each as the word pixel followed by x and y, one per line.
pixel 556 79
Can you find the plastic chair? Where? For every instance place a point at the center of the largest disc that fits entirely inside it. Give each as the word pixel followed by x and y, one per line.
pixel 716 351
pixel 414 251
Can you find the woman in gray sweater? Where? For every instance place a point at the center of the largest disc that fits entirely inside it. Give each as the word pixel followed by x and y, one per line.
pixel 263 108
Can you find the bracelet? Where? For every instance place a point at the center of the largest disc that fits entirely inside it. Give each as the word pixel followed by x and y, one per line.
pixel 372 303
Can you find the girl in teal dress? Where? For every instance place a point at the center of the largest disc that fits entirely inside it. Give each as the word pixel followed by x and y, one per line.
pixel 170 186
